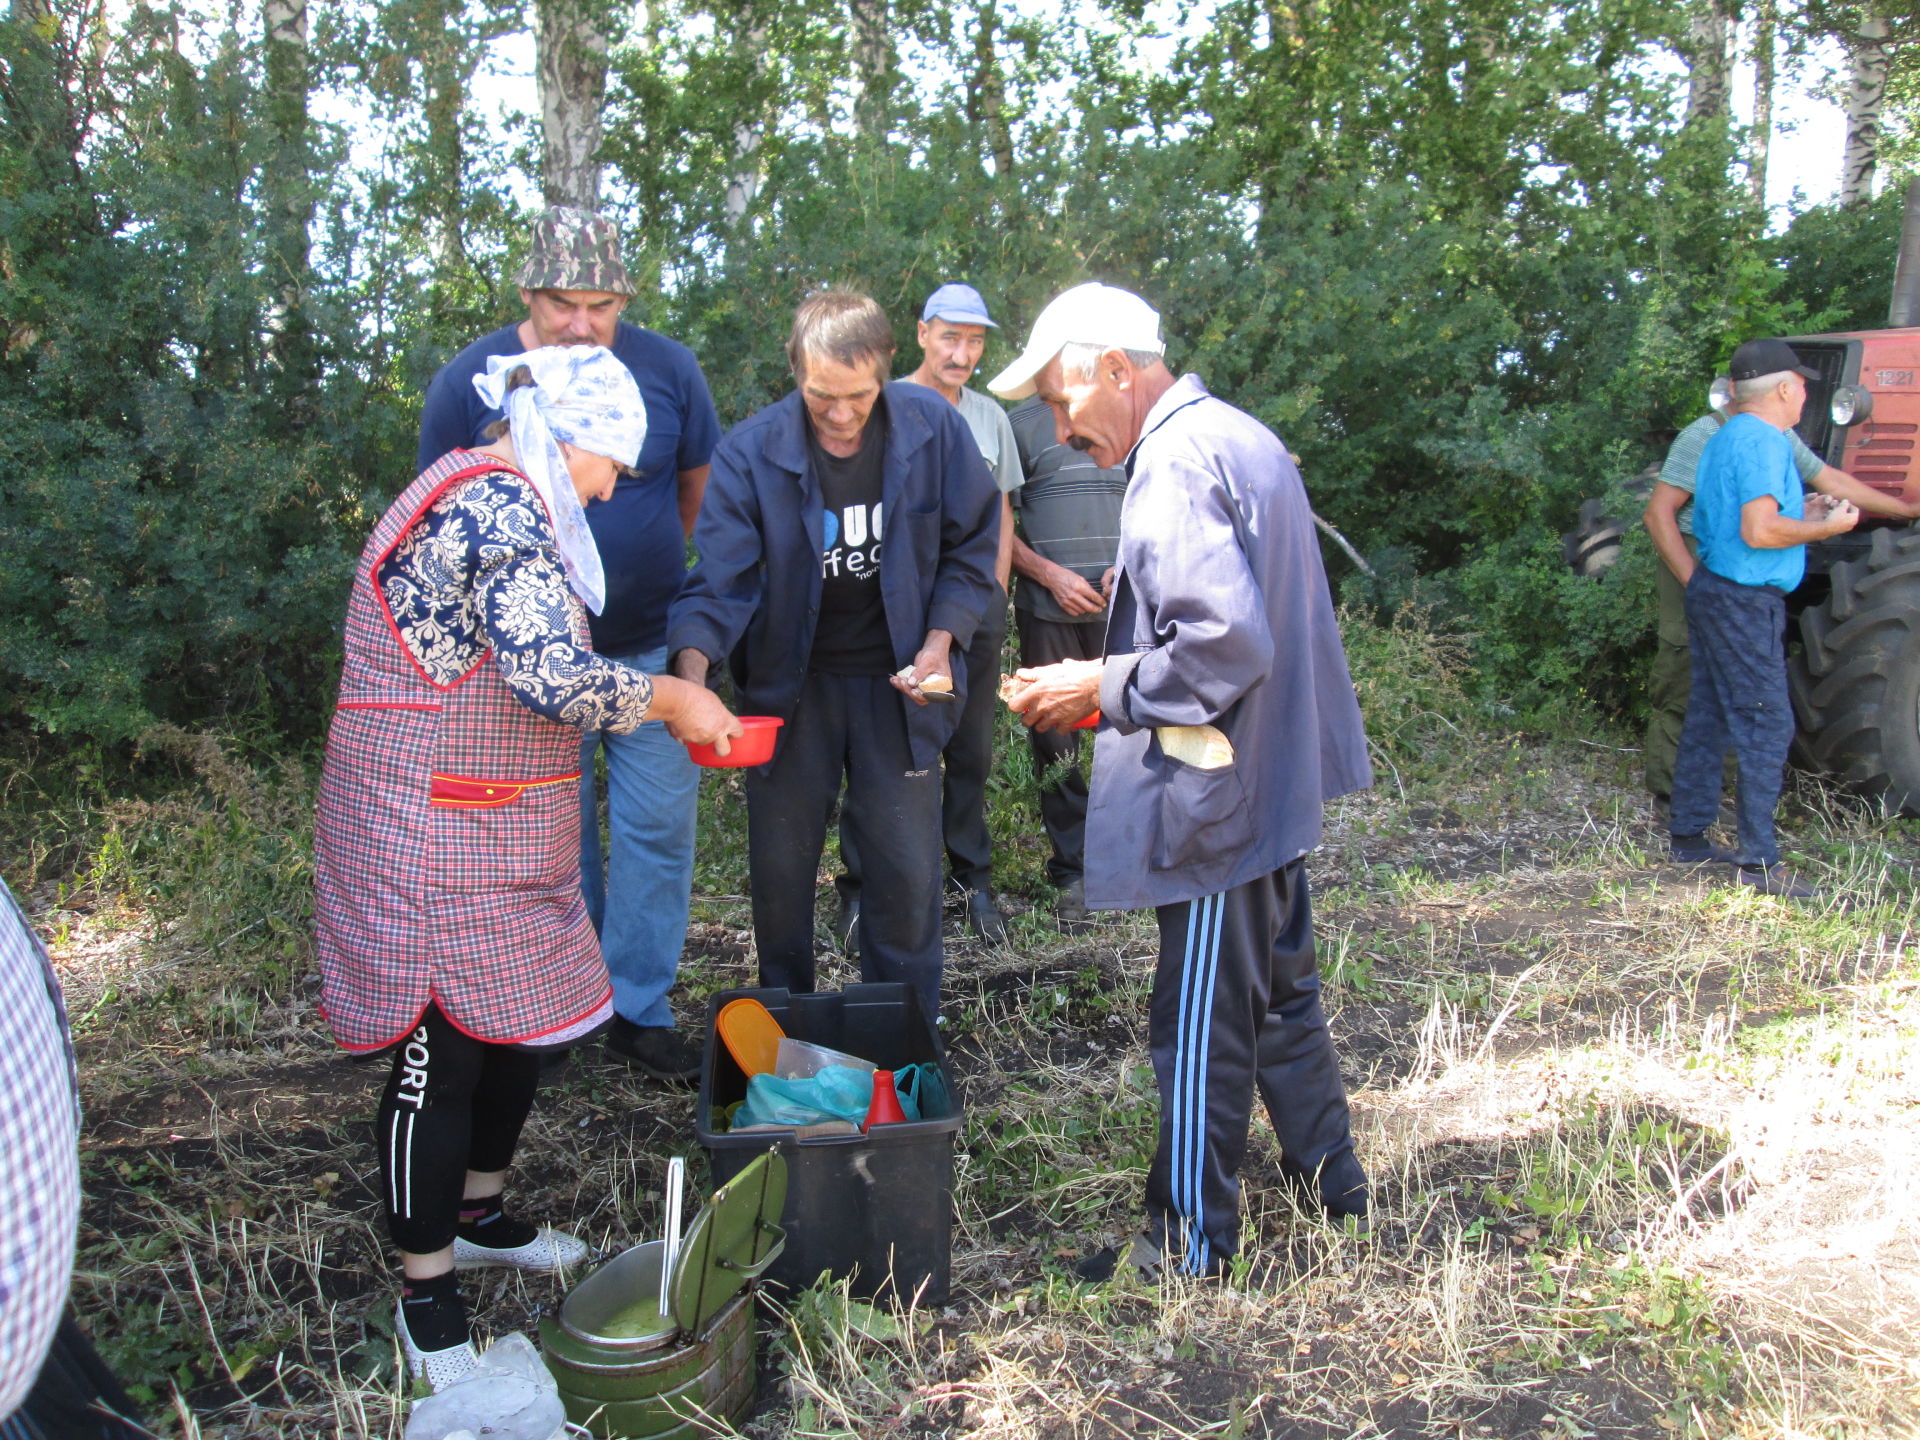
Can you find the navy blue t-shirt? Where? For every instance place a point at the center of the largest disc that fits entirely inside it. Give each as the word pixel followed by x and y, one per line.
pixel 642 547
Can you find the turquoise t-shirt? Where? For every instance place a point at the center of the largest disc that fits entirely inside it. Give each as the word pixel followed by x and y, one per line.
pixel 1748 459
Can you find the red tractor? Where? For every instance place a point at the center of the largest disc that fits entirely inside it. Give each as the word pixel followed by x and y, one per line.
pixel 1856 675
pixel 1855 672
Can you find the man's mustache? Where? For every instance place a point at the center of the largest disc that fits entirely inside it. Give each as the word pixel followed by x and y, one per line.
pixel 1080 442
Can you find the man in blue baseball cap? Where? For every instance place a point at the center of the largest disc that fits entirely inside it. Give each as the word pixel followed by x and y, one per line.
pixel 953 335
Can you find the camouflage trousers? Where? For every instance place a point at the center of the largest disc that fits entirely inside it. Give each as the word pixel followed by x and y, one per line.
pixel 1670 681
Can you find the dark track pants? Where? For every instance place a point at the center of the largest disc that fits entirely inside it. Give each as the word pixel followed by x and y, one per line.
pixel 969 756
pixel 76 1396
pixel 1235 1007
pixel 1063 804
pixel 452 1104
pixel 849 726
pixel 1739 694
pixel 968 763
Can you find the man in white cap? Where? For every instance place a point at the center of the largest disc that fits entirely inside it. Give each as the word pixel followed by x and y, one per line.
pixel 953 336
pixel 1227 719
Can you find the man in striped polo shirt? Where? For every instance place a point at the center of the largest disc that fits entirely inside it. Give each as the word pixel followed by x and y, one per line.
pixel 1064 553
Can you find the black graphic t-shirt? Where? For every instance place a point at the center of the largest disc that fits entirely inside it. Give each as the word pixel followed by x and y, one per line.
pixel 852 635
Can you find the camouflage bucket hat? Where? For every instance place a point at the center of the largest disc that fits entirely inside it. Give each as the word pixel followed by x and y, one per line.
pixel 574 250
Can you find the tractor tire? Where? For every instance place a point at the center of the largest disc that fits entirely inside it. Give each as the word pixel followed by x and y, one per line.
pixel 1594 542
pixel 1856 678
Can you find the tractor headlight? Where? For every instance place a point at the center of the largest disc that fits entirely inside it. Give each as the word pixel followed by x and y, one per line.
pixel 1851 404
pixel 1720 395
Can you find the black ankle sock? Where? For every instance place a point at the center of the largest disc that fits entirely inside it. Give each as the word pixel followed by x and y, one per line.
pixel 436 1315
pixel 481 1223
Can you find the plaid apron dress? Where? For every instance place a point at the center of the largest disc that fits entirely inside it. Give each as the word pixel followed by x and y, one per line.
pixel 447 844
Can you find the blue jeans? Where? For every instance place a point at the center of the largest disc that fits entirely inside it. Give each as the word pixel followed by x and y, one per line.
pixel 638 901
pixel 1739 694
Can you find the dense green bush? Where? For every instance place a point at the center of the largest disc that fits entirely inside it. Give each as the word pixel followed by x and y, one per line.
pixel 1464 299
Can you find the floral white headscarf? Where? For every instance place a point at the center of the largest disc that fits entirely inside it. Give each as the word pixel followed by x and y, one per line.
pixel 583 395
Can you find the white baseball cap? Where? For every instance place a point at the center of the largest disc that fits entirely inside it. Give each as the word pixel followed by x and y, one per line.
pixel 1092 314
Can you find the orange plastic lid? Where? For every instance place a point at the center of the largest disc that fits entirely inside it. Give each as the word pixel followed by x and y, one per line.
pixel 751 1034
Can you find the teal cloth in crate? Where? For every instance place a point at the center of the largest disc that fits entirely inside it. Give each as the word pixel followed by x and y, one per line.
pixel 923 1094
pixel 836 1092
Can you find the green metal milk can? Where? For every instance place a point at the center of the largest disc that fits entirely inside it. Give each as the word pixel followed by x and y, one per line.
pixel 628 1371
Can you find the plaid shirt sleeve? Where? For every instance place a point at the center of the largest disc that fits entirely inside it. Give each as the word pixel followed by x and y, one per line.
pixel 39 1155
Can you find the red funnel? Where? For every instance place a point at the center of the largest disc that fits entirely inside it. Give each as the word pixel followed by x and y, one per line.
pixel 885 1107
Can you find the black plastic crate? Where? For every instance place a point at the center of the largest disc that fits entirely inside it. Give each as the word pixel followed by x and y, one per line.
pixel 875 1209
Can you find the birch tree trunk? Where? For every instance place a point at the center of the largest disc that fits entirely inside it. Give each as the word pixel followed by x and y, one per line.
pixel 873 67
pixel 1710 35
pixel 1869 55
pixel 987 103
pixel 743 185
pixel 572 42
pixel 444 71
pixel 288 192
pixel 1761 148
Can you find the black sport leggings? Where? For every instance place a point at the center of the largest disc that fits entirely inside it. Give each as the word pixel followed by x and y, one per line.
pixel 452 1104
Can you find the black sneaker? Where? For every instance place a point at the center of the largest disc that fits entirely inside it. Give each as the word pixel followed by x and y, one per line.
pixel 1143 1257
pixel 1338 1188
pixel 1696 850
pixel 657 1050
pixel 984 918
pixel 1775 879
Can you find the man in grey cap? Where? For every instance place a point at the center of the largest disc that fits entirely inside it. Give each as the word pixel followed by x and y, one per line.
pixel 574 286
pixel 1227 719
pixel 953 335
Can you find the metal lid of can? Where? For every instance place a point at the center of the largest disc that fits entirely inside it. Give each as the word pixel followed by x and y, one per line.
pixel 615 1311
pixel 731 1242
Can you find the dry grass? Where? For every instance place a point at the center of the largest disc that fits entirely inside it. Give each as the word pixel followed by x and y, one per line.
pixel 1646 1149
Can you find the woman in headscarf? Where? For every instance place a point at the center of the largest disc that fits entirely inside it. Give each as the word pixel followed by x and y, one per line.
pixel 450 925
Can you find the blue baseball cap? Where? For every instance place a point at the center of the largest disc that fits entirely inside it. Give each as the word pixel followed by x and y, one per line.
pixel 959 303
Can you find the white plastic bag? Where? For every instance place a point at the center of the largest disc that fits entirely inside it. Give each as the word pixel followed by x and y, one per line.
pixel 510 1396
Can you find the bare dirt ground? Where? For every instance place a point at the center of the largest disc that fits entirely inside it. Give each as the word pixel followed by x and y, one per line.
pixel 1644 1148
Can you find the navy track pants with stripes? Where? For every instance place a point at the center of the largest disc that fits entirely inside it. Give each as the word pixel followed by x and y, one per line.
pixel 1235 1007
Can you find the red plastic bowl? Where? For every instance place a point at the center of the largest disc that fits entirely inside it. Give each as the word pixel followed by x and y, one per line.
pixel 752 746
pixel 1088 723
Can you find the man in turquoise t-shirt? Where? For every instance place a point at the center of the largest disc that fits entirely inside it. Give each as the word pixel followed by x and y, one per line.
pixel 1753 526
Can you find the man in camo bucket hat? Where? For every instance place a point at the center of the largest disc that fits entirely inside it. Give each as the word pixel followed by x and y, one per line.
pixel 574 250
pixel 574 285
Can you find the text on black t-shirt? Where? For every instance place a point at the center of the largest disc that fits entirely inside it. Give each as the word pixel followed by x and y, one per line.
pixel 852 638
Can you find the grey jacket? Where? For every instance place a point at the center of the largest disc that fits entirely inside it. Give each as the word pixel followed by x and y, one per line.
pixel 1220 616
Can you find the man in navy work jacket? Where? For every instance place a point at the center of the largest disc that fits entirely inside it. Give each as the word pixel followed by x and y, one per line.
pixel 574 286
pixel 1227 719
pixel 839 638
pixel 1753 525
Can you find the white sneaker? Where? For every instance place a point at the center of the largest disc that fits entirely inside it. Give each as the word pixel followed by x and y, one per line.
pixel 549 1250
pixel 439 1368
